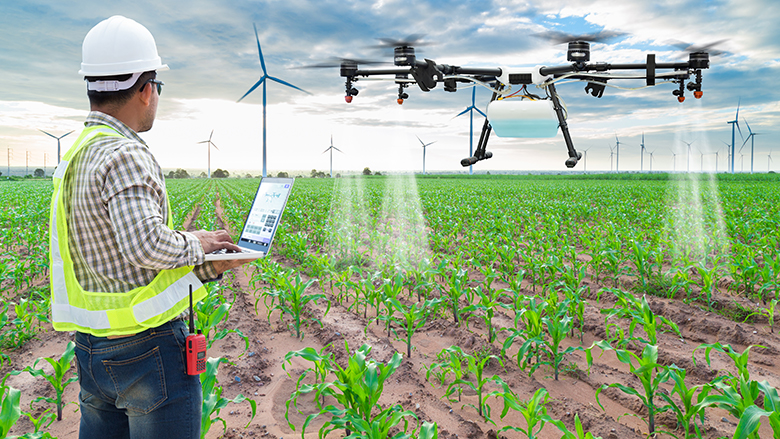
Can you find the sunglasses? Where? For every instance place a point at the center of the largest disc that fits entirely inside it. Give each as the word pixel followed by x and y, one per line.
pixel 155 81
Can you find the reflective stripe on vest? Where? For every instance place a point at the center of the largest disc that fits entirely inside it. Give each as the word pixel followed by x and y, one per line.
pixel 104 314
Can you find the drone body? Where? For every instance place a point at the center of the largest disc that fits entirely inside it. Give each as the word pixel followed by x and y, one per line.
pixel 514 111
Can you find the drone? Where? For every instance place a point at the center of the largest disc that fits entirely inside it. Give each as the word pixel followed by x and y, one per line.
pixel 513 110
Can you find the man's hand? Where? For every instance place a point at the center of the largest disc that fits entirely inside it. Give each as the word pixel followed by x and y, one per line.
pixel 223 266
pixel 213 241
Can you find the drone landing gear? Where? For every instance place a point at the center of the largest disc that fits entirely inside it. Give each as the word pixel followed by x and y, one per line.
pixel 574 156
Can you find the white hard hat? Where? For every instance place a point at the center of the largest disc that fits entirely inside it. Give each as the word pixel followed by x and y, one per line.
pixel 117 46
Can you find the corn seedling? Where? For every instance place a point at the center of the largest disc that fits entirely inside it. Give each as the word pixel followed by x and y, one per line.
pixel 412 318
pixel 323 363
pixel 213 401
pixel 650 374
pixel 639 312
pixel 475 364
pixel 488 299
pixel 533 411
pixel 750 420
pixel 211 312
pixel 691 405
pixel 293 300
pixel 457 281
pixel 56 378
pixel 578 433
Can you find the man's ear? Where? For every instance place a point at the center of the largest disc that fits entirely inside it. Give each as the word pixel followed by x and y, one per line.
pixel 145 94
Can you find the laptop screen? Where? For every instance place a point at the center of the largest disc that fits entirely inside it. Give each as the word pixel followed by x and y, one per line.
pixel 265 214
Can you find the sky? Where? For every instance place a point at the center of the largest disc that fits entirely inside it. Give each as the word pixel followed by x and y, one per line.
pixel 212 52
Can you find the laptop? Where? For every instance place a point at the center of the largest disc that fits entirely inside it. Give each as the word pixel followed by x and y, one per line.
pixel 261 223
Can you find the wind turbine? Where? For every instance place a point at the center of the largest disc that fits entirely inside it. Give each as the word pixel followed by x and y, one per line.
pixel 752 143
pixel 689 153
pixel 642 152
pixel 734 123
pixel 470 109
pixel 617 154
pixel 58 142
pixel 674 158
pixel 651 161
pixel 209 150
pixel 424 145
pixel 585 160
pixel 611 156
pixel 263 81
pixel 768 161
pixel 331 148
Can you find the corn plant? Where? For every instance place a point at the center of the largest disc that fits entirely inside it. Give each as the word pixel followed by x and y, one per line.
pixel 356 390
pixel 578 433
pixel 476 364
pixel 531 316
pixel 533 411
pixel 650 374
pixel 411 318
pixel 709 277
pixel 56 378
pixel 213 310
pixel 213 401
pixel 750 420
pixel 488 299
pixel 692 402
pixel 638 310
pixel 26 325
pixel 10 410
pixel 293 301
pixel 450 362
pixel 768 312
pixel 457 281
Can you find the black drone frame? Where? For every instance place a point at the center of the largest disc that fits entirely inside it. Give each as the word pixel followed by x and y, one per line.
pixel 427 74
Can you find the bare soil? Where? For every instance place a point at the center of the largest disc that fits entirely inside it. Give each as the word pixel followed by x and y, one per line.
pixel 257 373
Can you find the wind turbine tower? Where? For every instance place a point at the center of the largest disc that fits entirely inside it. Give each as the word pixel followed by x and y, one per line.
pixel 689 154
pixel 769 162
pixel 209 150
pixel 470 109
pixel 617 153
pixel 651 161
pixel 331 148
pixel 58 142
pixel 263 81
pixel 424 145
pixel 642 154
pixel 585 160
pixel 674 161
pixel 734 123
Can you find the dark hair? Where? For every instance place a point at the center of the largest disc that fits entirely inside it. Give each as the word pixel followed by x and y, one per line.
pixel 120 97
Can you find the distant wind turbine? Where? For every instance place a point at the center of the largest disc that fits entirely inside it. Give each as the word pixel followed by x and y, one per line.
pixel 642 152
pixel 674 158
pixel 470 109
pixel 331 148
pixel 651 161
pixel 617 153
pixel 585 160
pixel 689 153
pixel 424 145
pixel 263 81
pixel 58 142
pixel 769 161
pixel 209 150
pixel 734 123
pixel 611 158
pixel 752 143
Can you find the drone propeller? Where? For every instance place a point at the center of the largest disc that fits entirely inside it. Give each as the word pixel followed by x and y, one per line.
pixel 338 62
pixel 410 41
pixel 557 37
pixel 693 48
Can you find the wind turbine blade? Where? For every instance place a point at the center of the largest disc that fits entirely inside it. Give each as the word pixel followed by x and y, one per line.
pixel 431 143
pixel 744 143
pixel 748 125
pixel 260 51
pixel 205 141
pixel 66 134
pixel 328 149
pixel 210 135
pixel 480 112
pixel 338 150
pixel 462 112
pixel 50 135
pixel 421 142
pixel 287 84
pixel 257 84
pixel 215 146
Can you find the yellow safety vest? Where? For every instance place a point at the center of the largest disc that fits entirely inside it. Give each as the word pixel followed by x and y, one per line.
pixel 104 314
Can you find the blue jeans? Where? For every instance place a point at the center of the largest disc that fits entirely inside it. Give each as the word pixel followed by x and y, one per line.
pixel 137 387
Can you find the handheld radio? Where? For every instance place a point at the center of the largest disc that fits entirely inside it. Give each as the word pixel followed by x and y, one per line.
pixel 195 347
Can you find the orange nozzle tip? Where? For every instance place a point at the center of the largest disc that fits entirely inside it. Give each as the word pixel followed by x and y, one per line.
pixel 681 99
pixel 698 94
pixel 400 101
pixel 348 99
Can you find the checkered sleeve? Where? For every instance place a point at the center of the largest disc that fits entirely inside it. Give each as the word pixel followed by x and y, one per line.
pixel 134 192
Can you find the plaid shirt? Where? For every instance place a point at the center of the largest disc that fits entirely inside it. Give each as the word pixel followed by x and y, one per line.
pixel 117 210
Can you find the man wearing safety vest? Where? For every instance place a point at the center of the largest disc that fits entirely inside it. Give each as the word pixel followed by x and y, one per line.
pixel 120 274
